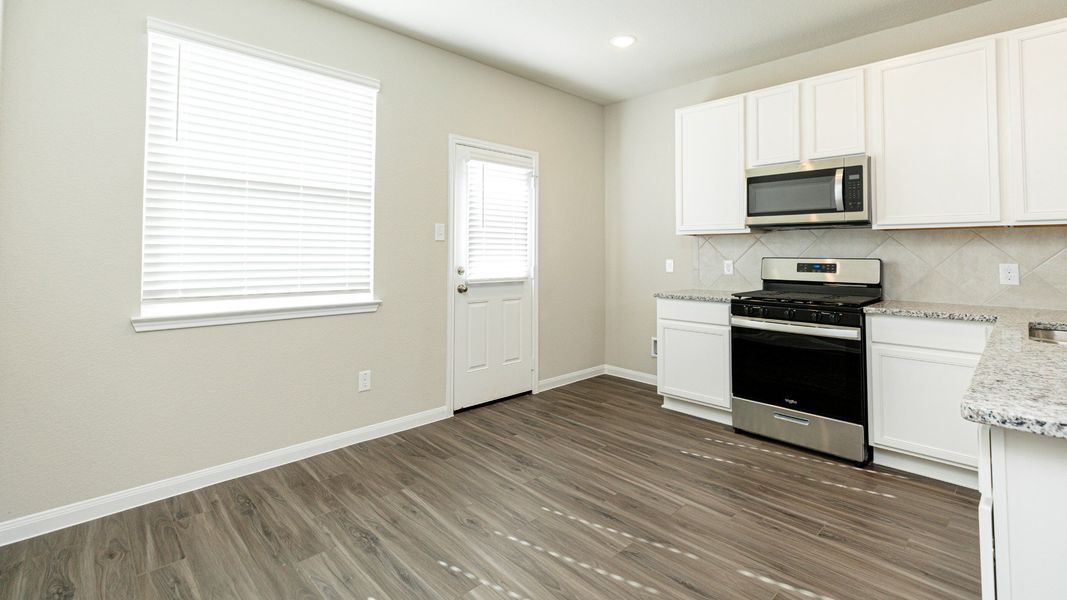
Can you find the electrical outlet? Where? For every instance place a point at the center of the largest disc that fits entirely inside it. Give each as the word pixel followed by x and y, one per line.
pixel 669 265
pixel 1009 274
pixel 439 232
pixel 364 381
pixel 727 267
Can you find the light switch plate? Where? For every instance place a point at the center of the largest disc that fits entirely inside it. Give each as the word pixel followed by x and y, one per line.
pixel 669 265
pixel 1009 274
pixel 727 267
pixel 439 232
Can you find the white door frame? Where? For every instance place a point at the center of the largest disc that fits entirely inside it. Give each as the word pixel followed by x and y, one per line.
pixel 450 282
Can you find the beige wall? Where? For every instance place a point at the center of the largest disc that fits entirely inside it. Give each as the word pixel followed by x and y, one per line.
pixel 639 161
pixel 88 407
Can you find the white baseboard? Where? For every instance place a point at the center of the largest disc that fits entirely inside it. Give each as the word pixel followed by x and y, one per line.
pixel 638 376
pixel 43 522
pixel 933 469
pixel 699 411
pixel 569 378
pixel 576 376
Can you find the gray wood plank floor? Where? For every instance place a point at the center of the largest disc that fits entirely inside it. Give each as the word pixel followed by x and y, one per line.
pixel 587 491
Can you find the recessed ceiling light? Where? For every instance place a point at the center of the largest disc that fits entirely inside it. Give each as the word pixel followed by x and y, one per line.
pixel 623 41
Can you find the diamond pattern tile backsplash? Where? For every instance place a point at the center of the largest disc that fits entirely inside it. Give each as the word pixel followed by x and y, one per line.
pixel 930 265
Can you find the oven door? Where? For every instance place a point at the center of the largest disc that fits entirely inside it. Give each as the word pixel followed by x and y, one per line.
pixel 814 369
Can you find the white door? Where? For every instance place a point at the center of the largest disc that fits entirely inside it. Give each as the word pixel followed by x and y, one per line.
pixel 494 212
pixel 710 167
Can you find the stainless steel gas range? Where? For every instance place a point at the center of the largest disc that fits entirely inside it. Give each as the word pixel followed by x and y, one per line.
pixel 799 353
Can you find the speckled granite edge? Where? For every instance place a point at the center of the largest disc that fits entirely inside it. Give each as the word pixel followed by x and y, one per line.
pixel 697 295
pixel 1010 419
pixel 930 312
pixel 1019 383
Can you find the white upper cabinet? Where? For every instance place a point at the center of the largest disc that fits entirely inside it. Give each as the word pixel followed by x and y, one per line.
pixel 710 167
pixel 774 125
pixel 1037 70
pixel 833 119
pixel 934 137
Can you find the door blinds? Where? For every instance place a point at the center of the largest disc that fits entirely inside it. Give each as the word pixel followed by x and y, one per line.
pixel 499 200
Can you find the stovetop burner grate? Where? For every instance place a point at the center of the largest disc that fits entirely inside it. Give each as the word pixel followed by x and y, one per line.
pixel 794 297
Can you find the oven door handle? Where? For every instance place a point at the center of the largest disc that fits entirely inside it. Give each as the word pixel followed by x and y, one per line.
pixel 827 331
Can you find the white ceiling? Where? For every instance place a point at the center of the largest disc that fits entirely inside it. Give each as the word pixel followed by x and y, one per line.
pixel 564 43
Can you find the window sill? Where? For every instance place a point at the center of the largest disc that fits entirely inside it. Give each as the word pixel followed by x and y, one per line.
pixel 158 318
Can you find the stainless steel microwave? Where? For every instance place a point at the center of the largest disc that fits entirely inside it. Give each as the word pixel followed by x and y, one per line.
pixel 829 192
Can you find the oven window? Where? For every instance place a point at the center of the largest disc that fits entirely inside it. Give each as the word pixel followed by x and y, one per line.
pixel 821 376
pixel 792 194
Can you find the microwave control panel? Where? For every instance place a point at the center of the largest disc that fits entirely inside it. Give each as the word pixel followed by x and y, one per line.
pixel 853 188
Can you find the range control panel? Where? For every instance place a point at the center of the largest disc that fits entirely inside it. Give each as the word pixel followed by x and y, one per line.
pixel 816 267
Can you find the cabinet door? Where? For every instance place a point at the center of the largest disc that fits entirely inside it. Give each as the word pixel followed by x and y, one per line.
pixel 934 138
pixel 833 116
pixel 1038 82
pixel 710 167
pixel 916 396
pixel 773 125
pixel 694 362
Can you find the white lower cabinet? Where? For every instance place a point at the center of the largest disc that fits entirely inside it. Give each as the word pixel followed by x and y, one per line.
pixel 694 352
pixel 1022 526
pixel 919 370
pixel 916 401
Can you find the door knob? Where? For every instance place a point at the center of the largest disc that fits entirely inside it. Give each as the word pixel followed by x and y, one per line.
pixel 461 288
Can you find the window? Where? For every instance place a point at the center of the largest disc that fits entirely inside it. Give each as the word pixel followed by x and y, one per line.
pixel 259 185
pixel 498 197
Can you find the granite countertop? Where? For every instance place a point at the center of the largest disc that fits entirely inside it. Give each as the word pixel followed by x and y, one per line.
pixel 1019 383
pixel 697 295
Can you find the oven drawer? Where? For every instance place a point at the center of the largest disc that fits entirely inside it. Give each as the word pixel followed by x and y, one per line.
pixel 831 436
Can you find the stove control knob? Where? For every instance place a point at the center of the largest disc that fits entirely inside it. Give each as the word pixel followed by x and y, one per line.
pixel 758 311
pixel 790 314
pixel 828 317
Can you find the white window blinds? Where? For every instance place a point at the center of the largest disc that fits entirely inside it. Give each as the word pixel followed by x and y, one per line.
pixel 259 176
pixel 499 201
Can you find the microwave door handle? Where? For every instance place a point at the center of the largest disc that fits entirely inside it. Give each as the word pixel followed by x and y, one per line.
pixel 839 190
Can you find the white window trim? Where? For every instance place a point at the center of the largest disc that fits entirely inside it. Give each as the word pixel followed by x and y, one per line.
pixel 221 42
pixel 251 310
pixel 182 315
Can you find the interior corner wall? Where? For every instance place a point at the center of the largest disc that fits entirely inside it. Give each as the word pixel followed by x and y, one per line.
pixel 639 160
pixel 88 407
